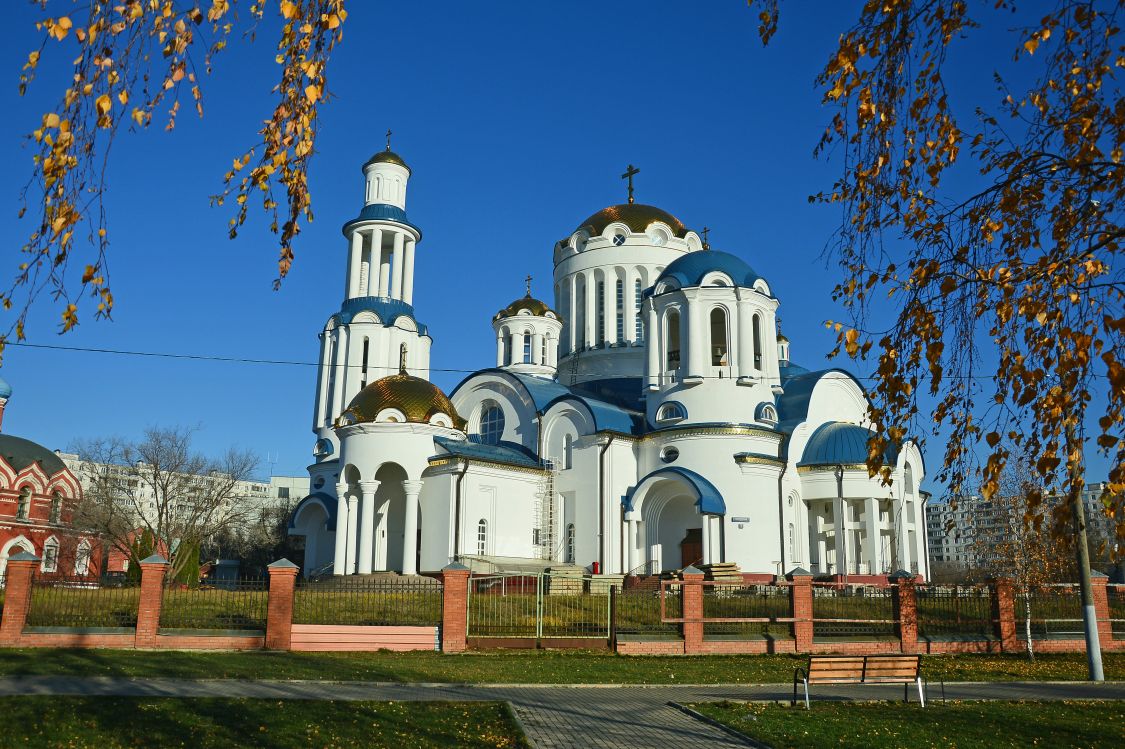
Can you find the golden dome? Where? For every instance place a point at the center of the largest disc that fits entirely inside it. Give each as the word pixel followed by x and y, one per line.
pixel 387 157
pixel 418 400
pixel 534 306
pixel 634 215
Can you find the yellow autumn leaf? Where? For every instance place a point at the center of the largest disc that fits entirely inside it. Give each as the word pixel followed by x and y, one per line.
pixel 1031 45
pixel 61 28
pixel 288 10
pixel 103 104
pixel 123 97
pixel 312 93
pixel 51 120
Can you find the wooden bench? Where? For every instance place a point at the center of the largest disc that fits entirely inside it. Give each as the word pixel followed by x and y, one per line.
pixel 861 669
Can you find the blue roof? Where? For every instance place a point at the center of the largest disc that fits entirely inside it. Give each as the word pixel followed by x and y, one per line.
pixel 382 212
pixel 546 393
pixel 793 404
pixel 329 504
pixel 839 443
pixel 5 388
pixel 709 500
pixel 505 452
pixel 386 308
pixel 690 269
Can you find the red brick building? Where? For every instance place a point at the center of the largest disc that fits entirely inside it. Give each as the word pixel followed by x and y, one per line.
pixel 38 494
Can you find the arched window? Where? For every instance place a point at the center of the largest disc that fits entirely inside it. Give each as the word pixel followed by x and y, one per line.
pixel 568 451
pixel 620 307
pixel 570 543
pixel 50 561
pixel 600 313
pixel 543 352
pixel 639 332
pixel 757 342
pixel 527 347
pixel 671 411
pixel 507 355
pixel 580 314
pixel 82 558
pixel 672 340
pixel 23 509
pixel 56 507
pixel 908 479
pixel 719 337
pixel 363 373
pixel 491 424
pixel 482 537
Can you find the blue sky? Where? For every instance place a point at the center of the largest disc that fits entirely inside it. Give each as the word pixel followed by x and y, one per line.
pixel 517 120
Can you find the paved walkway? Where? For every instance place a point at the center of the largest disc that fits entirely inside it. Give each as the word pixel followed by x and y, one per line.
pixel 615 716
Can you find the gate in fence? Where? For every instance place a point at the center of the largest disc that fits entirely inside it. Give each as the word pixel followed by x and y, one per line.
pixel 539 607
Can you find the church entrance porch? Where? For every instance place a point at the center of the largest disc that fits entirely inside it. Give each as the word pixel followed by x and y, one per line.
pixel 381 532
pixel 691 548
pixel 673 520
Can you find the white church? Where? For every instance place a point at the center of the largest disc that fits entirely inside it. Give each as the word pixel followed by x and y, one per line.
pixel 650 419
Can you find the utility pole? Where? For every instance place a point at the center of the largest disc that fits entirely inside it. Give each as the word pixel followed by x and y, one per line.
pixel 1074 490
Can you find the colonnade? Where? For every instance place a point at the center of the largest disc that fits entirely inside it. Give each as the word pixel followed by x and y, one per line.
pixel 362 532
pixel 872 528
pixel 381 264
pixel 510 348
pixel 578 293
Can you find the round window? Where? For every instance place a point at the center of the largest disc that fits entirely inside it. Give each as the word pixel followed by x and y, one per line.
pixel 319 482
pixel 619 239
pixel 669 454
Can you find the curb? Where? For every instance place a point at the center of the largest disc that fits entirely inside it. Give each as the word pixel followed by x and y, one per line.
pixel 519 724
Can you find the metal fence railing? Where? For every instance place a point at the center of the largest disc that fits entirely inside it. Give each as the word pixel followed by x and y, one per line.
pixel 544 605
pixel 749 610
pixel 954 611
pixel 637 612
pixel 1055 611
pixel 369 602
pixel 1116 595
pixel 82 602
pixel 238 605
pixel 852 611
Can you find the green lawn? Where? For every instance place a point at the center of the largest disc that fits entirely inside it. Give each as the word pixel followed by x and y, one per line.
pixel 542 667
pixel 111 722
pixel 960 724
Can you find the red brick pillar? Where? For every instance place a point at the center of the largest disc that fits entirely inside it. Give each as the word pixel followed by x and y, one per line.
pixel 17 597
pixel 1098 582
pixel 1004 614
pixel 153 570
pixel 906 610
pixel 279 605
pixel 455 608
pixel 800 608
pixel 692 597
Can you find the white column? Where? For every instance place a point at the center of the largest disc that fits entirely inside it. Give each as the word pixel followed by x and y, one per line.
pixel 591 321
pixel 322 381
pixel 745 339
pixel 537 348
pixel 367 525
pixel 396 270
pixel 516 342
pixel 839 508
pixel 410 528
pixel 572 312
pixel 871 535
pixel 340 560
pixel 352 530
pixel 631 526
pixel 695 342
pixel 408 272
pixel 339 369
pixel 902 541
pixel 381 536
pixel 630 310
pixel 371 265
pixel 500 349
pixel 652 348
pixel 706 539
pixel 355 255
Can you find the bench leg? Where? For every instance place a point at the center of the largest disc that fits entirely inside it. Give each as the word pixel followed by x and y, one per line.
pixel 807 706
pixel 921 696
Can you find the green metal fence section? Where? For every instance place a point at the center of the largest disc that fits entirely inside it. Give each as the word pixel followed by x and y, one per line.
pixel 538 606
pixel 749 610
pixel 845 611
pixel 239 605
pixel 82 603
pixel 952 611
pixel 1055 611
pixel 638 612
pixel 404 601
pixel 1116 595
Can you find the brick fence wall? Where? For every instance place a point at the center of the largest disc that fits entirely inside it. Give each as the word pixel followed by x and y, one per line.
pixel 452 632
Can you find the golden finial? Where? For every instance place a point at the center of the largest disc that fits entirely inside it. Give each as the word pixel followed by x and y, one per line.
pixel 402 358
pixel 388 139
pixel 528 281
pixel 706 231
pixel 629 176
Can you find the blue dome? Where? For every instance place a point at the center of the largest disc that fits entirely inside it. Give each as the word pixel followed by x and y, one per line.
pixel 838 443
pixel 690 269
pixel 382 212
pixel 5 388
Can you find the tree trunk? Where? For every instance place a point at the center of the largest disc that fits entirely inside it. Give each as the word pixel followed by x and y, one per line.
pixel 1027 625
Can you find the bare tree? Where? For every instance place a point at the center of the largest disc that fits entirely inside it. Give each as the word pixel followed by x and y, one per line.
pixel 161 486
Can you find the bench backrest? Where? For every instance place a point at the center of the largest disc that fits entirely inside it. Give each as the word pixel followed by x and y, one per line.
pixel 863 668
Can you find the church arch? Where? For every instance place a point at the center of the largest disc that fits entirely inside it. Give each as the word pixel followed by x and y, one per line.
pixel 390 517
pixel 672 340
pixel 11 548
pixel 757 332
pixel 720 337
pixel 490 425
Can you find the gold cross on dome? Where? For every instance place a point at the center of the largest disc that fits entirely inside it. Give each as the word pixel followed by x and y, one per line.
pixel 629 176
pixel 528 281
pixel 388 139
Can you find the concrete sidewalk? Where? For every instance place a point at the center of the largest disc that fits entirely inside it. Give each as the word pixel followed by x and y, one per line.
pixel 556 716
